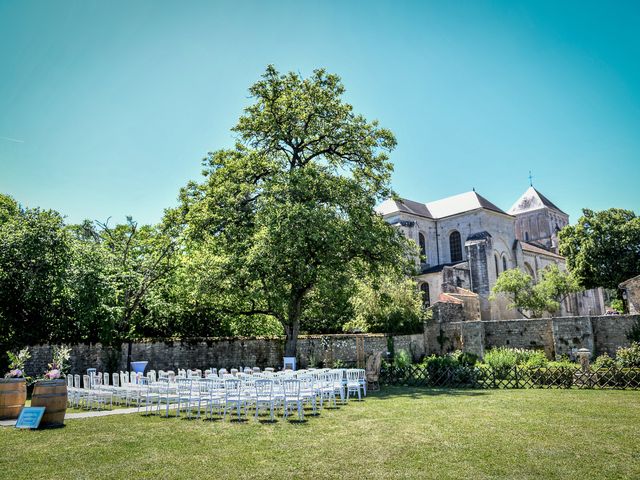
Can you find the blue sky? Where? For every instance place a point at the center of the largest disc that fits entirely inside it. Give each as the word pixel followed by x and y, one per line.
pixel 107 108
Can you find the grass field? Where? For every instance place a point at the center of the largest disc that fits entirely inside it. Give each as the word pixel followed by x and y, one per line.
pixel 398 433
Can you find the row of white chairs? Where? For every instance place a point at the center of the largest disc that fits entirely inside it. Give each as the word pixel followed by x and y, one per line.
pixel 275 392
pixel 164 388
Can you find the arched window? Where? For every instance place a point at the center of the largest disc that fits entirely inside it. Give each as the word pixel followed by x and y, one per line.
pixel 455 246
pixel 526 236
pixel 423 245
pixel 504 263
pixel 495 259
pixel 426 299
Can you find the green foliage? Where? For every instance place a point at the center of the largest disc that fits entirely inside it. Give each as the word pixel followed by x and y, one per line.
pixel 35 251
pixel 389 303
pixel 617 304
pixel 604 361
pixel 17 362
pixel 504 358
pixel 501 358
pixel 291 206
pixel 603 248
pixel 530 299
pixel 402 359
pixel 466 359
pixel 629 357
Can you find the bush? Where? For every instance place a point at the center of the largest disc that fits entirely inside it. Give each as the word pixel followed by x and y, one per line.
pixel 466 359
pixel 629 357
pixel 402 359
pixel 604 361
pixel 535 359
pixel 505 357
pixel 565 363
pixel 501 358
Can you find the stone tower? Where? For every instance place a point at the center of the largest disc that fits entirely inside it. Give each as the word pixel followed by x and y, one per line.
pixel 538 220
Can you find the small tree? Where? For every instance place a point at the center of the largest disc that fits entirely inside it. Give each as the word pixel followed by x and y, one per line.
pixel 555 286
pixel 390 303
pixel 519 288
pixel 531 299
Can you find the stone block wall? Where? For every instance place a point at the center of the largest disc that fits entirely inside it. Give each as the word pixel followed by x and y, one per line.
pixel 205 353
pixel 556 336
pixel 520 333
pixel 610 331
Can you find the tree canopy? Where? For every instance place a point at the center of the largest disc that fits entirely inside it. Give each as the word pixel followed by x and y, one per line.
pixel 293 203
pixel 533 299
pixel 603 248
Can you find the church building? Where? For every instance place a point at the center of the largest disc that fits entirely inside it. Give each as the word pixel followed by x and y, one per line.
pixel 466 241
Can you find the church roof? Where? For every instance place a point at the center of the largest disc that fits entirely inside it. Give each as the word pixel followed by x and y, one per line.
pixel 464 202
pixel 528 247
pixel 403 205
pixel 530 200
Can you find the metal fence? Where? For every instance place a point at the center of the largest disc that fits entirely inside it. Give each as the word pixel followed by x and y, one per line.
pixel 481 377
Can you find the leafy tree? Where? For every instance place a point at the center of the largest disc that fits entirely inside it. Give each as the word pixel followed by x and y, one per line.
pixel 530 299
pixel 35 251
pixel 555 286
pixel 603 248
pixel 389 303
pixel 293 203
pixel 9 208
pixel 518 287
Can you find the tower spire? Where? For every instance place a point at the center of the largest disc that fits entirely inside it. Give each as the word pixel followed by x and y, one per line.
pixel 530 179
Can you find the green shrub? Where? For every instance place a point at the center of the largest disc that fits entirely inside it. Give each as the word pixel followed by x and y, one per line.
pixel 629 357
pixel 501 358
pixel 604 361
pixel 402 359
pixel 436 361
pixel 563 364
pixel 534 359
pixel 464 358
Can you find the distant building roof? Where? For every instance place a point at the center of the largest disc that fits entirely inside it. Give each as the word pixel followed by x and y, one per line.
pixel 461 203
pixel 628 281
pixel 439 268
pixel 403 205
pixel 464 202
pixel 528 247
pixel 530 200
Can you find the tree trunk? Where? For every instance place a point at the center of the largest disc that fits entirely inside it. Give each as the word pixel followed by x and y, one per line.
pixel 291 341
pixel 292 327
pixel 129 348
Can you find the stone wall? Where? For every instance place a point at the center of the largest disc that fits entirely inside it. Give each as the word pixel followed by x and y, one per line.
pixel 556 336
pixel 631 290
pixel 205 353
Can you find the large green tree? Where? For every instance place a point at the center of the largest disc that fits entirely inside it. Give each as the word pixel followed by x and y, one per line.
pixel 35 251
pixel 603 248
pixel 293 203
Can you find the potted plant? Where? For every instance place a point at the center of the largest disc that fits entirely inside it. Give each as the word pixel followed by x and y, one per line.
pixel 13 387
pixel 50 391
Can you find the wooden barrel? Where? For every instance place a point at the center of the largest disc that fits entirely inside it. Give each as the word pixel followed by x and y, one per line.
pixel 51 394
pixel 13 394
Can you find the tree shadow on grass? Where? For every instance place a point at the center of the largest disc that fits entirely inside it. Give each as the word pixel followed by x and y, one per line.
pixel 387 393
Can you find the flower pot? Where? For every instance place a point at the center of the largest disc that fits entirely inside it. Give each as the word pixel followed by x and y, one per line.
pixel 13 394
pixel 51 394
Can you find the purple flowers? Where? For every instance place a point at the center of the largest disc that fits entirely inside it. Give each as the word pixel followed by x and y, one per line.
pixel 52 374
pixel 15 373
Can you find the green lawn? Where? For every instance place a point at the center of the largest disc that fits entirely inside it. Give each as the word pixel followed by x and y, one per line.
pixel 399 433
